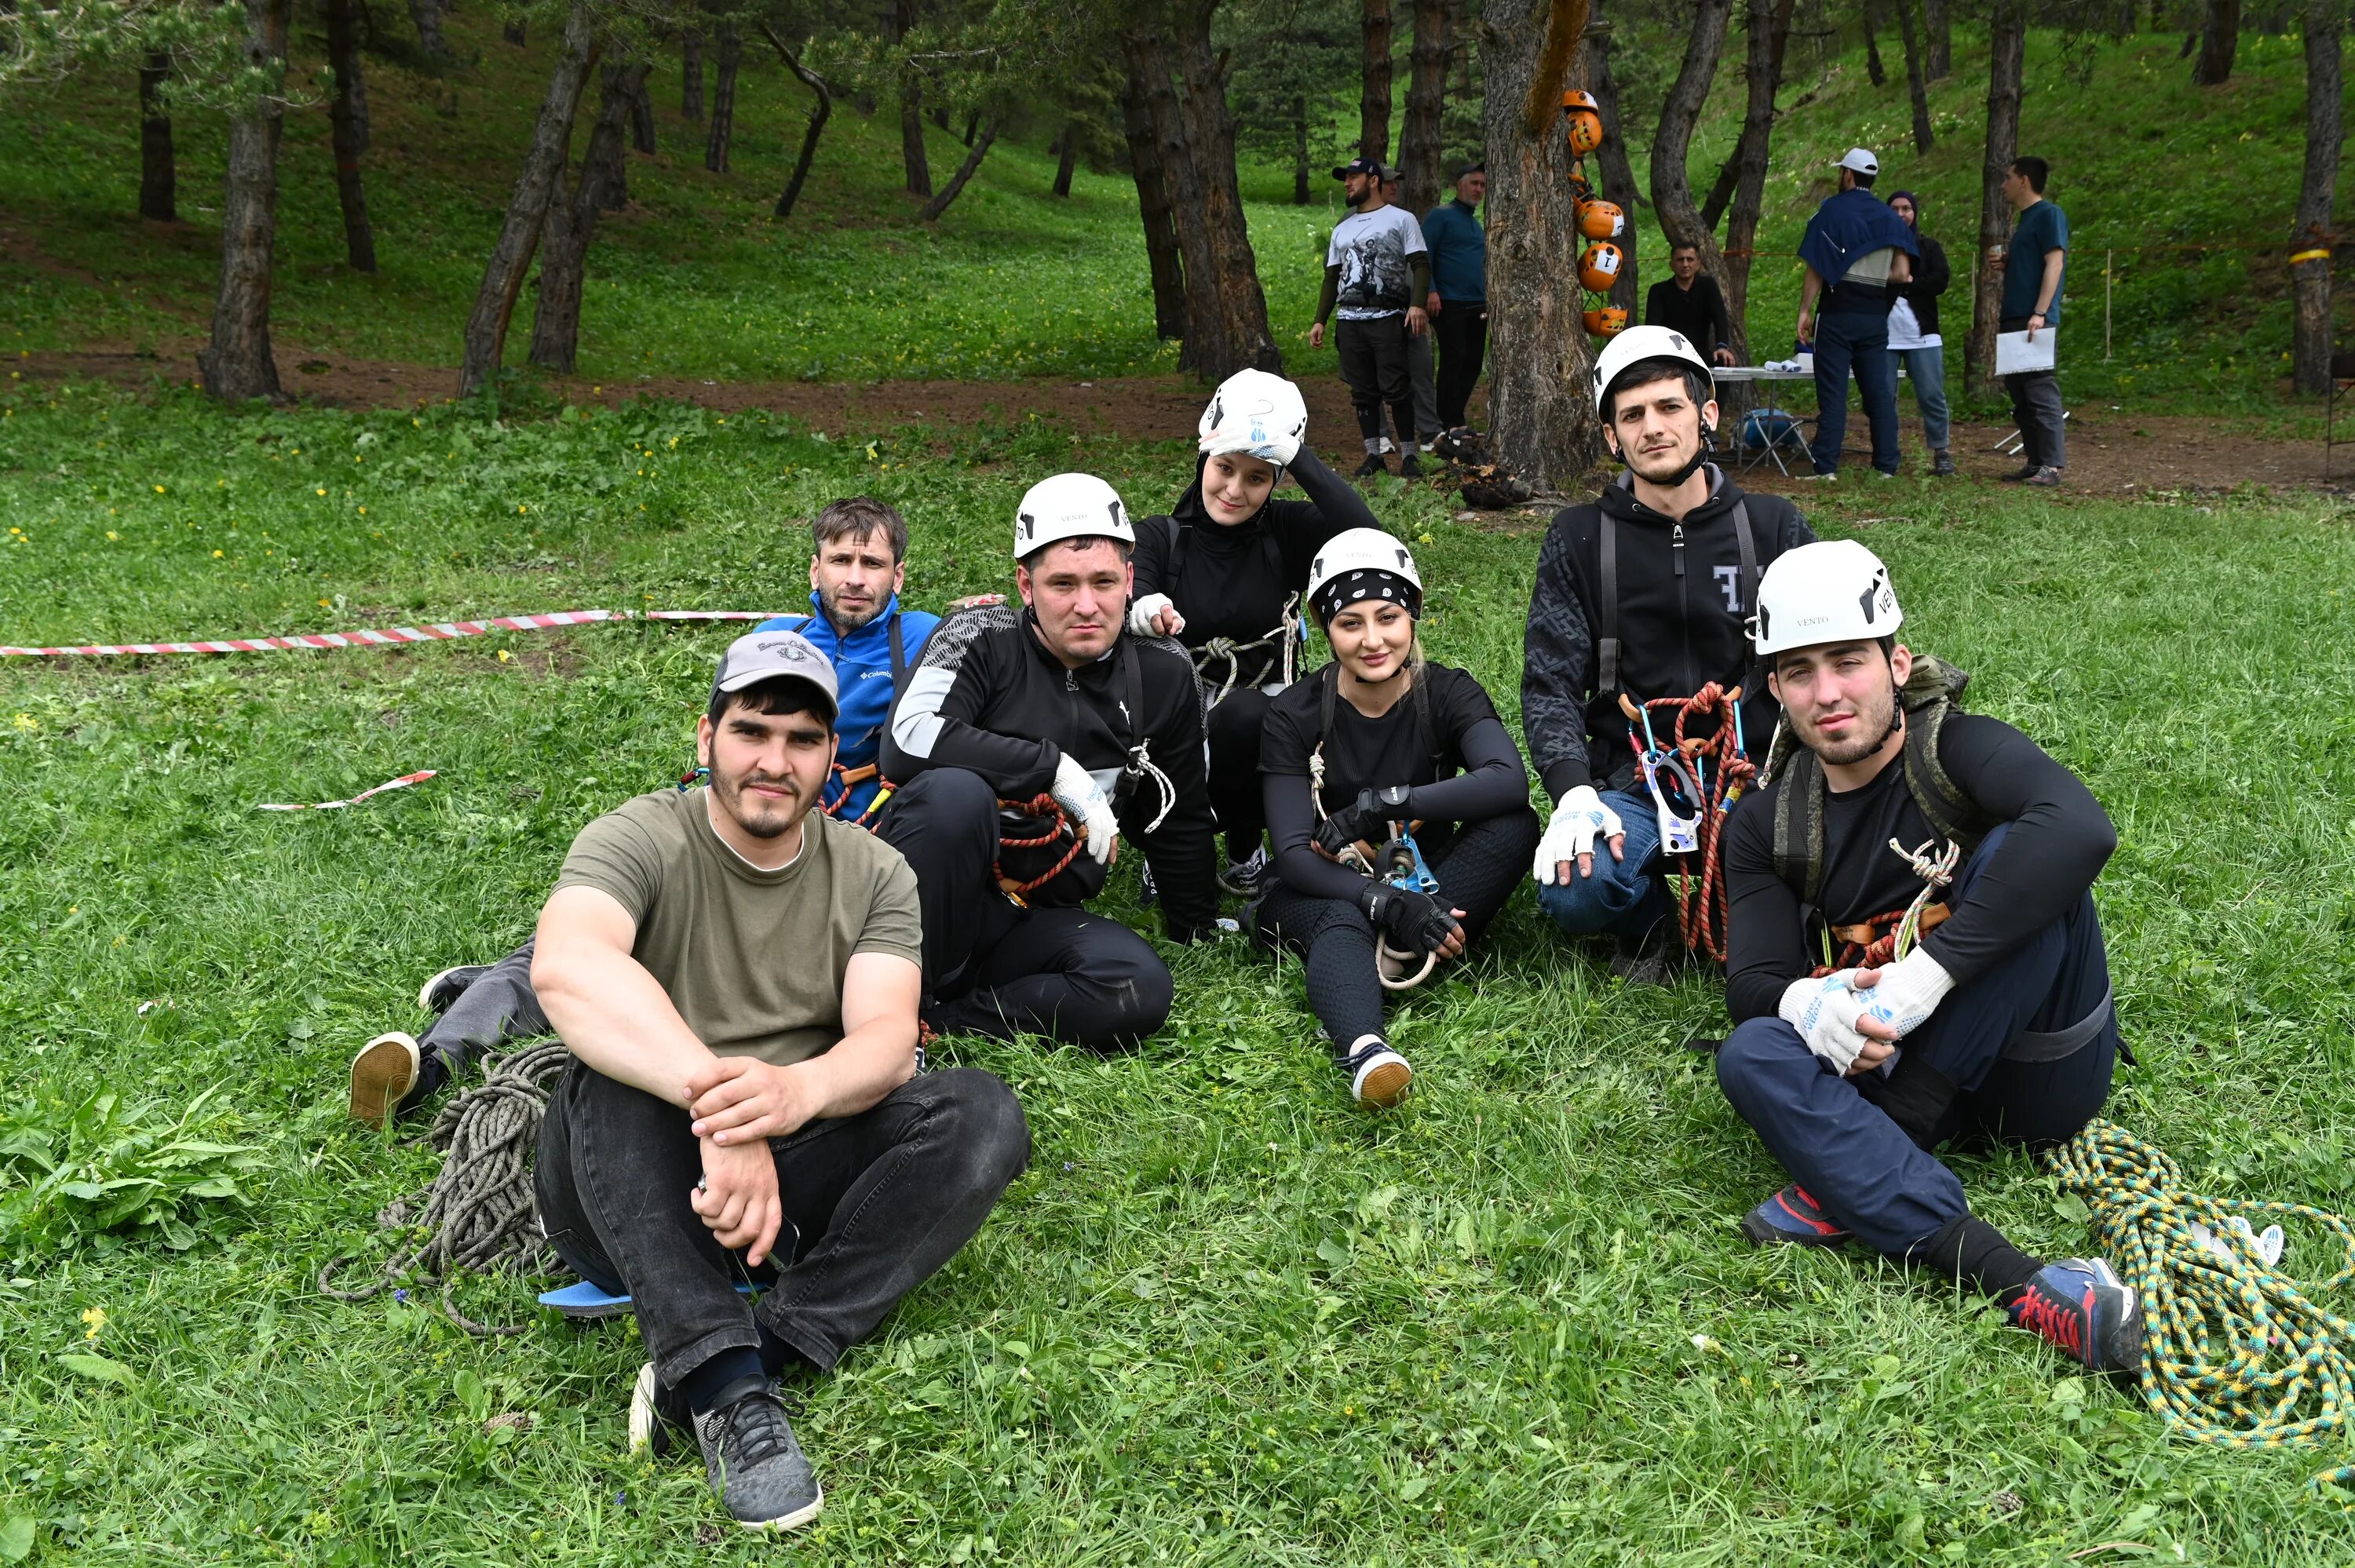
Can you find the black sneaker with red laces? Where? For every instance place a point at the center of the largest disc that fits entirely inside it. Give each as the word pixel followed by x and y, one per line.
pixel 2081 1306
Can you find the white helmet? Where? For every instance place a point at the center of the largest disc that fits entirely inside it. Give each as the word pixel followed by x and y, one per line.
pixel 1644 343
pixel 1069 507
pixel 1355 551
pixel 1255 413
pixel 1834 591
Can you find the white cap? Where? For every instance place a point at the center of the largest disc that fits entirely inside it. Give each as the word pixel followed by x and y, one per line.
pixel 1834 591
pixel 1860 160
pixel 1069 506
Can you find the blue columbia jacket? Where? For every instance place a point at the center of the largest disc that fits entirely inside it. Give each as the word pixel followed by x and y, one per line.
pixel 862 667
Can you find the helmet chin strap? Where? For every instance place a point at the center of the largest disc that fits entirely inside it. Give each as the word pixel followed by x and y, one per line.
pixel 1691 467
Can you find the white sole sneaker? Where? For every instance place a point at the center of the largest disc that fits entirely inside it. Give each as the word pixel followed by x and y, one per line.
pixel 641 1411
pixel 385 1069
pixel 425 992
pixel 1382 1080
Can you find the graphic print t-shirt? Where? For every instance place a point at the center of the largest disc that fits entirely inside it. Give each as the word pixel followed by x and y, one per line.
pixel 1371 250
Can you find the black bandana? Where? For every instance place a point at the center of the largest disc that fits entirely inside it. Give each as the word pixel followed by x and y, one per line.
pixel 1373 582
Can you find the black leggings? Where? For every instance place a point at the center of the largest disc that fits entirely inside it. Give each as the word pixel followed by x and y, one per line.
pixel 1235 787
pixel 1476 875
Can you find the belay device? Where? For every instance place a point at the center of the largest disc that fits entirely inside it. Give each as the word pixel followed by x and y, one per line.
pixel 1694 781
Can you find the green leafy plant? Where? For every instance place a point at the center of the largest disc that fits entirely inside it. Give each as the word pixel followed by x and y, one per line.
pixel 106 1168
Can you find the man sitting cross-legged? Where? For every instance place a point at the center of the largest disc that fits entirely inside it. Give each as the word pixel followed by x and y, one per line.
pixel 736 975
pixel 1949 863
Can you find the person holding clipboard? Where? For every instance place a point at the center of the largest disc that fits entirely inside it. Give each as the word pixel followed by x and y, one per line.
pixel 2032 307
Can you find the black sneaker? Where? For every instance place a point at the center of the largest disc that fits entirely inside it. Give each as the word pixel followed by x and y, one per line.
pixel 1409 468
pixel 1793 1217
pixel 1942 463
pixel 1652 959
pixel 1244 877
pixel 2027 472
pixel 2081 1306
pixel 755 1466
pixel 2045 478
pixel 1371 467
pixel 436 994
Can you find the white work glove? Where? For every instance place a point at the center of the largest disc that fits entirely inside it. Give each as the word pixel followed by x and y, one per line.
pixel 1576 822
pixel 1825 1013
pixel 1142 614
pixel 1908 991
pixel 1083 799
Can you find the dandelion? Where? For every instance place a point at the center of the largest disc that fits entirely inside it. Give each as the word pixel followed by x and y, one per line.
pixel 363 511
pixel 112 534
pixel 27 721
pixel 319 491
pixel 523 509
pixel 159 490
pixel 95 1317
pixel 216 554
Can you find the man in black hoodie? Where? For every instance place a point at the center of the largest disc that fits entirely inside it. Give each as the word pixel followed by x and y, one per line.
pixel 1016 723
pixel 1642 592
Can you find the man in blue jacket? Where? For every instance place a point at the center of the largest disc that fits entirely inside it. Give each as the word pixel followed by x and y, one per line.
pixel 1458 302
pixel 1857 255
pixel 856 567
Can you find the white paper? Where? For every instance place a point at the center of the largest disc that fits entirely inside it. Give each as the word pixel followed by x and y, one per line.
pixel 2015 353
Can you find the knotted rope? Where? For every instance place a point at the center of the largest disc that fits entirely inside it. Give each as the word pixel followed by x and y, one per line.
pixel 1044 806
pixel 1881 939
pixel 1284 639
pixel 2234 1352
pixel 478 1214
pixel 1721 757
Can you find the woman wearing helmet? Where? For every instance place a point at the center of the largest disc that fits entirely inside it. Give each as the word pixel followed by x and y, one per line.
pixel 1223 574
pixel 1385 762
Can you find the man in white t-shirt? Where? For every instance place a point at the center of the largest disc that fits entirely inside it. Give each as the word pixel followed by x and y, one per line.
pixel 1914 337
pixel 1375 269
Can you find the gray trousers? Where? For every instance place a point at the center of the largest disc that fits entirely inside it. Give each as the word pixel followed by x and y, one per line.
pixel 2036 408
pixel 498 1007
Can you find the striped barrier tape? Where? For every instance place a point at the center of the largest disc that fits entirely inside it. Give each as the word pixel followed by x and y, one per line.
pixel 403 782
pixel 390 636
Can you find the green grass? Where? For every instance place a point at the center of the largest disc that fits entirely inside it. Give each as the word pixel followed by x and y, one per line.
pixel 1224 1318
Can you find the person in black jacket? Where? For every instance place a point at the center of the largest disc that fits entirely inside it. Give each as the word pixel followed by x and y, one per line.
pixel 1026 741
pixel 1223 574
pixel 1688 301
pixel 1377 750
pixel 1643 592
pixel 1913 332
pixel 1915 955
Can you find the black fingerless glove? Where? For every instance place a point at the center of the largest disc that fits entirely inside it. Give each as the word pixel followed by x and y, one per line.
pixel 1367 818
pixel 1414 921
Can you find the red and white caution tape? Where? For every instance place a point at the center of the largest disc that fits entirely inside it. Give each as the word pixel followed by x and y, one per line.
pixel 403 782
pixel 392 636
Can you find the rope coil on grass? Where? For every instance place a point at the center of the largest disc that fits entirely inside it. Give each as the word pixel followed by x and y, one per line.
pixel 2234 1352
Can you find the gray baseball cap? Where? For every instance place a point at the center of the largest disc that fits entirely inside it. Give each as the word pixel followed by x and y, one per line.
pixel 759 656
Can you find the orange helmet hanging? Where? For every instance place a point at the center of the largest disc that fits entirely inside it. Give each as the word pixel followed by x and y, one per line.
pixel 1599 267
pixel 1584 118
pixel 1606 321
pixel 1602 219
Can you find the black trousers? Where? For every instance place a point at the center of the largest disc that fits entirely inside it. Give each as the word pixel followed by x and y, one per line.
pixel 1235 790
pixel 2037 408
pixel 994 968
pixel 1373 365
pixel 876 1204
pixel 1462 328
pixel 1476 872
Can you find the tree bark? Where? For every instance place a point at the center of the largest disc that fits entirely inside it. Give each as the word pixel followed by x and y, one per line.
pixel 723 102
pixel 535 187
pixel 1770 33
pixel 1618 185
pixel 1938 39
pixel 238 363
pixel 2309 281
pixel 972 122
pixel 514 33
pixel 1420 175
pixel 1242 302
pixel 1916 87
pixel 1672 197
pixel 1374 86
pixel 1202 345
pixel 1161 254
pixel 2007 57
pixel 818 112
pixel 159 168
pixel 1071 159
pixel 427 15
pixel 691 81
pixel 1300 150
pixel 948 193
pixel 642 124
pixel 2220 39
pixel 1542 412
pixel 349 132
pixel 573 220
pixel 1875 72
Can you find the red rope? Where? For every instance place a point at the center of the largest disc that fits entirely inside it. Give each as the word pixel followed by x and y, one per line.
pixel 1700 900
pixel 1039 806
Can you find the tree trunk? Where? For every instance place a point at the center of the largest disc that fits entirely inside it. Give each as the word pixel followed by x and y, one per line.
pixel 1877 73
pixel 723 102
pixel 238 363
pixel 1540 411
pixel 573 220
pixel 427 15
pixel 2220 39
pixel 642 124
pixel 1770 33
pixel 1618 174
pixel 972 122
pixel 1202 346
pixel 1672 197
pixel 911 135
pixel 158 168
pixel 1374 89
pixel 1242 302
pixel 1916 87
pixel 1070 160
pixel 2309 281
pixel 691 82
pixel 1426 93
pixel 1300 192
pixel 349 132
pixel 2007 57
pixel 535 187
pixel 1161 253
pixel 940 203
pixel 818 112
pixel 1938 39
pixel 513 32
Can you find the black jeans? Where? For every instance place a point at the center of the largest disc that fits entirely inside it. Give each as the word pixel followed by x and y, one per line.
pixel 876 1204
pixel 1462 328
pixel 2036 408
pixel 1235 790
pixel 1373 365
pixel 994 968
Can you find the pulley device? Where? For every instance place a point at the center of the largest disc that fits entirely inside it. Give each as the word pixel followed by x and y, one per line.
pixel 1694 781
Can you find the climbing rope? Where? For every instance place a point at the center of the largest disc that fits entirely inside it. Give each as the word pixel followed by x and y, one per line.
pixel 478 1214
pixel 1285 639
pixel 1878 940
pixel 1046 807
pixel 2234 1352
pixel 1717 769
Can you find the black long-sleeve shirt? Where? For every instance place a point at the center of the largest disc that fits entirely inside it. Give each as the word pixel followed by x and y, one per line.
pixel 1931 276
pixel 1698 313
pixel 988 697
pixel 2059 840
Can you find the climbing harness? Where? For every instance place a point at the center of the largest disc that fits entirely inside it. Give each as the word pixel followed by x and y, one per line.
pixel 1398 860
pixel 1606 644
pixel 2235 1352
pixel 1881 939
pixel 478 1214
pixel 1694 781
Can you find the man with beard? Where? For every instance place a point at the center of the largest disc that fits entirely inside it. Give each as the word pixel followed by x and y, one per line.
pixel 1642 592
pixel 857 562
pixel 1377 271
pixel 1027 742
pixel 1963 992
pixel 736 975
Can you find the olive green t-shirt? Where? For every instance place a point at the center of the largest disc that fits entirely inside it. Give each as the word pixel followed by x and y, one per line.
pixel 752 959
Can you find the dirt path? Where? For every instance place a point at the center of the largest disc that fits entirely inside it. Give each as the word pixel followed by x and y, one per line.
pixel 2110 453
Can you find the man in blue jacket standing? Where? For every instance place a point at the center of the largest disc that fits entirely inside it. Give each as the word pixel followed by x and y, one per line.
pixel 855 570
pixel 1458 304
pixel 1857 255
